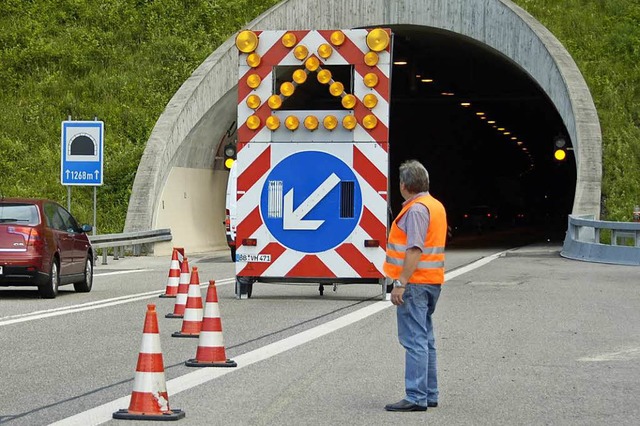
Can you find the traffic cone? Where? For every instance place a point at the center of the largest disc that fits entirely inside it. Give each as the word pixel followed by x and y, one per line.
pixel 149 399
pixel 183 289
pixel 192 321
pixel 210 351
pixel 174 277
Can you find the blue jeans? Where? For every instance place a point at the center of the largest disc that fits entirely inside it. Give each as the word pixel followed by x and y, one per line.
pixel 415 333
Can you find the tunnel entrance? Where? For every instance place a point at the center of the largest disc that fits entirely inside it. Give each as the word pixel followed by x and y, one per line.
pixel 485 131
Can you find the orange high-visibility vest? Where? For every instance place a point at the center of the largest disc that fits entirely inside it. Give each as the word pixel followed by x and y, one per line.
pixel 430 269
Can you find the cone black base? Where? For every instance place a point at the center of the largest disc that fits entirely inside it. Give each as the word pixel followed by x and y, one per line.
pixel 180 334
pixel 168 296
pixel 125 415
pixel 195 363
pixel 173 316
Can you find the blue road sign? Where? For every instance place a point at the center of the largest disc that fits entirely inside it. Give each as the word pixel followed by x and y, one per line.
pixel 81 160
pixel 311 201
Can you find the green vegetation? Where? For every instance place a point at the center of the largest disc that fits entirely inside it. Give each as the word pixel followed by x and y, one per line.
pixel 122 60
pixel 603 37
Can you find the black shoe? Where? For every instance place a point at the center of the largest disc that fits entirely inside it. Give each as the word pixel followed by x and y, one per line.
pixel 432 404
pixel 404 405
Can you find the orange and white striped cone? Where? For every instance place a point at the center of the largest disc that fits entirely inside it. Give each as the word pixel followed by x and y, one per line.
pixel 183 289
pixel 174 277
pixel 192 320
pixel 211 351
pixel 149 399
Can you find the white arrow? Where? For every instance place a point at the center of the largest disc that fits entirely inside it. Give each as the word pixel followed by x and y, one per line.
pixel 293 219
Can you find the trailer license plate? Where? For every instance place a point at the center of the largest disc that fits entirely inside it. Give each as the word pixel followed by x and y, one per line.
pixel 264 258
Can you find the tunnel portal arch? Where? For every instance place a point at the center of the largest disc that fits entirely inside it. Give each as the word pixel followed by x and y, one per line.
pixel 180 181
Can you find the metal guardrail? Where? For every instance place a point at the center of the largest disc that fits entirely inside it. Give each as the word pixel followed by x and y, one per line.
pixel 583 241
pixel 119 242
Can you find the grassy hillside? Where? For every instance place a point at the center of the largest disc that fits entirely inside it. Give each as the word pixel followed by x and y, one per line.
pixel 122 60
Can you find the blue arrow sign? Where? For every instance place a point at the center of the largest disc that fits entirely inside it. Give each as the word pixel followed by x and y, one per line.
pixel 311 201
pixel 81 160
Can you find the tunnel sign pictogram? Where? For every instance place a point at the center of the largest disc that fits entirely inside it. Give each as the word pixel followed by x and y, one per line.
pixel 81 159
pixel 311 201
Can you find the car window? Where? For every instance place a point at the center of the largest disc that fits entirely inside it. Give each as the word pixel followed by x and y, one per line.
pixel 54 219
pixel 26 214
pixel 70 224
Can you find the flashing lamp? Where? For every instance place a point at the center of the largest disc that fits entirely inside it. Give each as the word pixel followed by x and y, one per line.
pixel 253 101
pixel 312 63
pixel 289 40
pixel 311 122
pixel 349 122
pixel 301 52
pixel 559 148
pixel 299 76
pixel 371 59
pixel 253 122
pixel 369 121
pixel 246 41
pixel 287 88
pixel 337 38
pixel 291 122
pixel 370 100
pixel 324 76
pixel 371 80
pixel 324 50
pixel 336 88
pixel 253 81
pixel 377 40
pixel 272 122
pixel 253 60
pixel 330 122
pixel 229 155
pixel 274 101
pixel 348 101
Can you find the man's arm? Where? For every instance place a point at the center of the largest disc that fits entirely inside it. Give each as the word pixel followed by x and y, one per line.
pixel 411 259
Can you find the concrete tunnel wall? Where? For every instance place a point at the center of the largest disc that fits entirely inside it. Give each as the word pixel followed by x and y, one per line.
pixel 179 184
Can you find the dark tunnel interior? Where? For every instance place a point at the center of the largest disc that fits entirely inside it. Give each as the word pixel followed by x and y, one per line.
pixel 485 131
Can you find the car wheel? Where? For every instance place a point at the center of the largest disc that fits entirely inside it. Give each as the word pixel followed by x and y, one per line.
pixel 50 289
pixel 85 285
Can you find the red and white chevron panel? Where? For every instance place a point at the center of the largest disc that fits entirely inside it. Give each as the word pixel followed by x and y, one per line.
pixel 363 150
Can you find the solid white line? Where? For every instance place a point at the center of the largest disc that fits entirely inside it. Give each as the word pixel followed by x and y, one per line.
pixel 103 413
pixel 98 304
pixel 626 355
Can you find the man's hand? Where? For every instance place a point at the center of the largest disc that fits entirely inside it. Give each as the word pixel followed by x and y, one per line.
pixel 396 296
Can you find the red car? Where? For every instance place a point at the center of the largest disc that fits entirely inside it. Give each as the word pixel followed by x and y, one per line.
pixel 42 245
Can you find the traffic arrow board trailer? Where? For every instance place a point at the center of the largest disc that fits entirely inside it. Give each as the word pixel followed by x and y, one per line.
pixel 82 153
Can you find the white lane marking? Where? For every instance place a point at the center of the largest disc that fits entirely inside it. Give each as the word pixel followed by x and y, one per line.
pixel 98 304
pixel 626 355
pixel 103 413
pixel 130 271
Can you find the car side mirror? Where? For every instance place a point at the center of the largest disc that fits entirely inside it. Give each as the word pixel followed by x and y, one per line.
pixel 86 228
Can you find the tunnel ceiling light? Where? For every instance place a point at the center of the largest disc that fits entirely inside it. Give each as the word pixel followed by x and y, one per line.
pixel 246 41
pixel 427 80
pixel 501 129
pixel 520 143
pixel 479 113
pixel 506 133
pixel 491 122
pixel 465 104
pixel 447 94
pixel 483 118
pixel 378 40
pixel 399 62
pixel 513 138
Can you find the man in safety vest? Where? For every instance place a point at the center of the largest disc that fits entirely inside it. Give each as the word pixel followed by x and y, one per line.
pixel 415 263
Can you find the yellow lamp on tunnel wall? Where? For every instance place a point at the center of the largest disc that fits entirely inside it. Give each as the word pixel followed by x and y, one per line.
pixel 289 40
pixel 246 41
pixel 560 155
pixel 377 40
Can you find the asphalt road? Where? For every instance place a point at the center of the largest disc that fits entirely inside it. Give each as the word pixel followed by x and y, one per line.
pixel 526 337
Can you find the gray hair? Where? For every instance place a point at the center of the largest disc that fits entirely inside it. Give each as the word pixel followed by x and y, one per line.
pixel 414 176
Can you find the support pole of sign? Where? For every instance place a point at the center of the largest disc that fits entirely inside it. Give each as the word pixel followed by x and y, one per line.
pixel 95 203
pixel 69 198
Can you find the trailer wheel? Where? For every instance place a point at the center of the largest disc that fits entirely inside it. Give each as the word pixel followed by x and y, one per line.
pixel 244 287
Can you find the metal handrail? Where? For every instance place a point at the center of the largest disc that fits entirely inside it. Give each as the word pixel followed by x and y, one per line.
pixel 120 241
pixel 583 241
